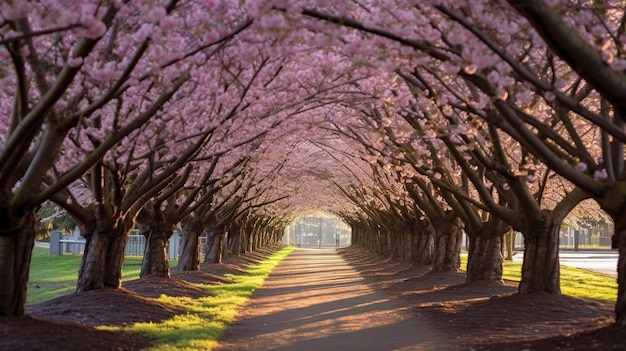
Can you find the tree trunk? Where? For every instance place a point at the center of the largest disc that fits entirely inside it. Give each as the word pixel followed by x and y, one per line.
pixel 101 265
pixel 423 246
pixel 190 251
pixel 365 237
pixel 17 238
pixel 447 246
pixel 399 240
pixel 115 259
pixel 509 243
pixel 155 260
pixel 250 239
pixel 484 261
pixel 192 229
pixel 540 270
pixel 257 237
pixel 215 245
pixel 236 241
pixel 613 203
pixel 620 240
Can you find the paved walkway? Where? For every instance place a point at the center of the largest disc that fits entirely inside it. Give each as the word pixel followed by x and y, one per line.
pixel 314 300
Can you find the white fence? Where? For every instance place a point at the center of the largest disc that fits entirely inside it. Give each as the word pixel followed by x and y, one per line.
pixel 61 244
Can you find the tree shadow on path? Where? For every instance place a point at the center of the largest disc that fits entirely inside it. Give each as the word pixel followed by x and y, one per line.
pixel 314 300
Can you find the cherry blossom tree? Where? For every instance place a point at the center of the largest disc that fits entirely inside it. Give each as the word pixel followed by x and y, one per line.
pixel 80 71
pixel 590 40
pixel 36 120
pixel 501 75
pixel 407 119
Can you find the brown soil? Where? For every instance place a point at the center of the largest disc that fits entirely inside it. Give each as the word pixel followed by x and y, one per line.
pixel 491 316
pixel 483 316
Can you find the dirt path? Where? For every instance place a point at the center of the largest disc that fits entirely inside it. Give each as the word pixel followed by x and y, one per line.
pixel 314 300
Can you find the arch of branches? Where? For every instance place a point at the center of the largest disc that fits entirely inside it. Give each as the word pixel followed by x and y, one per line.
pixel 412 122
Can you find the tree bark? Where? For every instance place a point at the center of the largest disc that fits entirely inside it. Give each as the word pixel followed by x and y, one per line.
pixel 540 270
pixel 423 245
pixel 155 260
pixel 101 265
pixel 236 240
pixel 190 251
pixel 215 245
pixel 484 260
pixel 115 259
pixel 192 229
pixel 17 238
pixel 400 239
pixel 613 203
pixel 620 240
pixel 250 239
pixel 447 246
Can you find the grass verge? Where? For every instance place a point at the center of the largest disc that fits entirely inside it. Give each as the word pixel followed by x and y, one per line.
pixel 206 318
pixel 54 276
pixel 574 281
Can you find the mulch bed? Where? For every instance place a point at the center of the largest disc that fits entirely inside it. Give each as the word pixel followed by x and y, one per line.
pixel 492 316
pixel 481 316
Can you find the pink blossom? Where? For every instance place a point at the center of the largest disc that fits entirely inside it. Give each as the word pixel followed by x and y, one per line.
pixel 458 36
pixel 66 18
pixel 493 77
pixel 549 96
pixel 75 62
pixel 60 106
pixel 94 28
pixel 430 34
pixel 450 68
pixel 170 23
pixel 581 166
pixel 155 14
pixel 524 97
pixel 19 9
pixel 600 174
pixel 101 75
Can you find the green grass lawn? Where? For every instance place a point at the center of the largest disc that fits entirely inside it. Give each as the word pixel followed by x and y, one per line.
pixel 54 276
pixel 574 281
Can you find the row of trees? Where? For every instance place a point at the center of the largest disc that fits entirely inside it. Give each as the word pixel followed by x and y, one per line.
pixel 503 116
pixel 147 114
pixel 411 122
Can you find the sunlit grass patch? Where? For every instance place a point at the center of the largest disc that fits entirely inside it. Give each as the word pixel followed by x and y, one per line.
pixel 584 283
pixel 207 317
pixel 574 281
pixel 511 270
